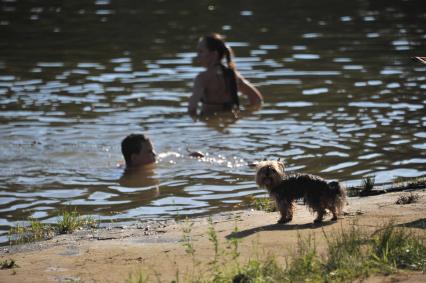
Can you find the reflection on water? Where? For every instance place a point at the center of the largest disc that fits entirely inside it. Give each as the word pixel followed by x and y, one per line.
pixel 343 99
pixel 139 177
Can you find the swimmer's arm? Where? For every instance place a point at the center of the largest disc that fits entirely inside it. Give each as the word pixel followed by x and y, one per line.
pixel 197 93
pixel 253 94
pixel 420 59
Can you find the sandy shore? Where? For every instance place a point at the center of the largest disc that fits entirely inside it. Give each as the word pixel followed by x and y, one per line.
pixel 156 247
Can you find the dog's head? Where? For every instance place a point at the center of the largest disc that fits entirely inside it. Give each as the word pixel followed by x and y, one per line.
pixel 269 174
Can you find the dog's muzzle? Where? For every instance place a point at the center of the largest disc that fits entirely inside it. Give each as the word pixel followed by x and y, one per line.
pixel 267 181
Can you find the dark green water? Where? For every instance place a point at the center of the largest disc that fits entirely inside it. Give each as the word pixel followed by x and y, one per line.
pixel 343 100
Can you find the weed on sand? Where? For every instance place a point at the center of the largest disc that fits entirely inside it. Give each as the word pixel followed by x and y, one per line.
pixel 70 220
pixel 263 204
pixel 32 230
pixel 8 264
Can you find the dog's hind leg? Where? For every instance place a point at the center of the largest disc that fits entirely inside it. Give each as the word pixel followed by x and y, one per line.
pixel 334 212
pixel 320 216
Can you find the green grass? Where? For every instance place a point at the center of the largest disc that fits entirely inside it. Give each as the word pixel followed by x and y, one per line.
pixel 214 240
pixel 70 220
pixel 304 264
pixel 187 238
pixel 267 270
pixel 263 204
pixel 32 230
pixel 351 254
pixel 8 264
pixel 397 248
pixel 139 277
pixel 346 254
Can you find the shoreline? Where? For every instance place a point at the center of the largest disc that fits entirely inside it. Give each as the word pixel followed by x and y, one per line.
pixel 156 246
pixel 411 184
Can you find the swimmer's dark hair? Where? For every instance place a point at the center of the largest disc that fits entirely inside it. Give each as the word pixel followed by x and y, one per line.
pixel 132 144
pixel 216 42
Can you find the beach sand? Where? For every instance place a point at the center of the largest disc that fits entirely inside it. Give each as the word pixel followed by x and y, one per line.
pixel 156 247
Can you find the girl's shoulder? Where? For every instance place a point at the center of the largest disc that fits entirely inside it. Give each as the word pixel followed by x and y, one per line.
pixel 205 77
pixel 201 76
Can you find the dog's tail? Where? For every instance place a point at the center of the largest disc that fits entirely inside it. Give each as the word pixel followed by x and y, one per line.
pixel 339 193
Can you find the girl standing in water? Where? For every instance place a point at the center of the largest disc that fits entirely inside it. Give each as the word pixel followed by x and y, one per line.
pixel 217 87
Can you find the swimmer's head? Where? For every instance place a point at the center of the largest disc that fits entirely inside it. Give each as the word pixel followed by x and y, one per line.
pixel 216 43
pixel 137 150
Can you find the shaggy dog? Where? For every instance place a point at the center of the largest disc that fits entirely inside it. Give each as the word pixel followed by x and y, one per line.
pixel 318 194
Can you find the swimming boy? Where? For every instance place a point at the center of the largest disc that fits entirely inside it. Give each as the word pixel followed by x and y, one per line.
pixel 217 87
pixel 137 150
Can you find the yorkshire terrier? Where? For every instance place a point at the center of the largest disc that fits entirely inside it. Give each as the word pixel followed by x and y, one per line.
pixel 318 194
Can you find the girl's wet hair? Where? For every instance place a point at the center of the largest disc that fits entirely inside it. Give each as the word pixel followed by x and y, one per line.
pixel 216 42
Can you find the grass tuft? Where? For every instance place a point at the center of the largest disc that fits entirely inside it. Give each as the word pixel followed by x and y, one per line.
pixel 69 221
pixel 346 255
pixel 139 277
pixel 214 240
pixel 8 264
pixel 304 264
pixel 263 204
pixel 408 198
pixel 33 230
pixel 257 271
pixel 187 238
pixel 397 248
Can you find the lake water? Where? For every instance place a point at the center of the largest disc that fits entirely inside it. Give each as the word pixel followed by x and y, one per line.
pixel 343 99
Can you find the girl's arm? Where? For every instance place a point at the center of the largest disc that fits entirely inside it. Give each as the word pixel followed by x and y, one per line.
pixel 253 94
pixel 197 93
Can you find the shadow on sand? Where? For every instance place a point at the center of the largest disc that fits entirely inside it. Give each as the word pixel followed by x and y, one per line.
pixel 278 227
pixel 419 223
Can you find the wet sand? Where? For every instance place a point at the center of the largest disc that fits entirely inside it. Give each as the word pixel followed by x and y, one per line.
pixel 156 247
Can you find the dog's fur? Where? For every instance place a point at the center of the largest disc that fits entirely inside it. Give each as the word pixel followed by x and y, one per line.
pixel 285 189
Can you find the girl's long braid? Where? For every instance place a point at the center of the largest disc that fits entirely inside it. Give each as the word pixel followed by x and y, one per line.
pixel 230 76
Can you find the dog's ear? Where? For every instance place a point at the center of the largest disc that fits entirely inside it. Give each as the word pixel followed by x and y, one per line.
pixel 253 164
pixel 281 163
pixel 334 185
